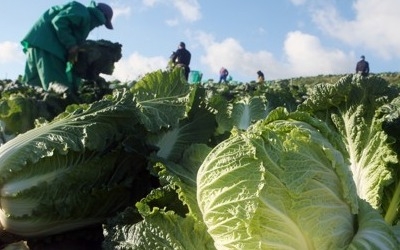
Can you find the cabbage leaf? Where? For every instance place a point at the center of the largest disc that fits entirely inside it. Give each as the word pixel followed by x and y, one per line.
pixel 158 230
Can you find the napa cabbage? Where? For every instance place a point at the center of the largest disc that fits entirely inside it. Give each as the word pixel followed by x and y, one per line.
pixel 285 184
pixel 71 172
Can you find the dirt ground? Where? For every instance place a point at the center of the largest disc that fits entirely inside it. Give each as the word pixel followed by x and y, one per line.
pixel 89 238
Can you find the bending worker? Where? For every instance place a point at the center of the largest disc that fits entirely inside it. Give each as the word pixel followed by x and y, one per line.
pixel 54 40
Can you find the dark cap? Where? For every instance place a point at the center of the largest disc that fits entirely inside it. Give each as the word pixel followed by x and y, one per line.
pixel 182 44
pixel 362 57
pixel 108 13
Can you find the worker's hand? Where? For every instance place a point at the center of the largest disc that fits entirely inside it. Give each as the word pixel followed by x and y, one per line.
pixel 73 54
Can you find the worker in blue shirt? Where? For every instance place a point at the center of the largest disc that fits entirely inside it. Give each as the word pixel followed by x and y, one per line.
pixel 181 58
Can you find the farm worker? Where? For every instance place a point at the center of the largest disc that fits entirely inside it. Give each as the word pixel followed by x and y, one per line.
pixel 223 73
pixel 362 67
pixel 52 43
pixel 181 58
pixel 260 77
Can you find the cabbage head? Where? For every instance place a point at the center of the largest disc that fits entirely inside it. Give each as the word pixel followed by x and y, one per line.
pixel 283 184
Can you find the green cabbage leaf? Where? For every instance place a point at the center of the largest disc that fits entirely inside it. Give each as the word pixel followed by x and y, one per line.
pixel 169 215
pixel 158 230
pixel 161 98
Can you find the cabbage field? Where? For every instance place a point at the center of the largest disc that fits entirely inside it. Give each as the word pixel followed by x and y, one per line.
pixel 158 163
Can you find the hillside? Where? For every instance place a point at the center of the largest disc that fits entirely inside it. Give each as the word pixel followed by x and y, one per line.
pixel 392 77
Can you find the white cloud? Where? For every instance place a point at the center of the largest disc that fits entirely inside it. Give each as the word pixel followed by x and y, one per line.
pixel 172 22
pixel 121 11
pixel 150 3
pixel 304 55
pixel 261 30
pixel 11 52
pixel 189 9
pixel 136 66
pixel 307 56
pixel 298 2
pixel 230 54
pixel 374 26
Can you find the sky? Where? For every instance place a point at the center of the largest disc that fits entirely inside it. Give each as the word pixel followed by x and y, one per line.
pixel 282 38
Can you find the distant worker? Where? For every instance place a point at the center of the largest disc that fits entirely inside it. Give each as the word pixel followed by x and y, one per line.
pixel 362 67
pixel 223 74
pixel 181 58
pixel 260 77
pixel 54 40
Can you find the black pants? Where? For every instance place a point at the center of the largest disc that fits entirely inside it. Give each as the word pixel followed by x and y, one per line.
pixel 187 69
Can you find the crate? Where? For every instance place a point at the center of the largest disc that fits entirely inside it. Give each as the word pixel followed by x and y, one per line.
pixel 195 77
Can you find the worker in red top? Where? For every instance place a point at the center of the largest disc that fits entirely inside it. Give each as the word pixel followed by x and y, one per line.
pixel 223 74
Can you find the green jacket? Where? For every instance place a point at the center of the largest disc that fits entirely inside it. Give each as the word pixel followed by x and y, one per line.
pixel 62 27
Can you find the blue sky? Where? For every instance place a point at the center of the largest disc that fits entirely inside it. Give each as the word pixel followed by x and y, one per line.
pixel 282 38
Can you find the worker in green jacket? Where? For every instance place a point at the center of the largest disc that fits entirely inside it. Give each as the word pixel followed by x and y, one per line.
pixel 53 42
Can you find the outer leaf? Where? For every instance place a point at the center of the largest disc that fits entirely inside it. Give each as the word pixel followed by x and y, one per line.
pixel 350 106
pixel 183 176
pixel 162 98
pixel 178 197
pixel 222 117
pixel 197 128
pixel 373 232
pixel 247 110
pixel 18 113
pixel 391 125
pixel 159 230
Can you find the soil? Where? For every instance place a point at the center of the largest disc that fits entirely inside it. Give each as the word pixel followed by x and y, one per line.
pixel 89 238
